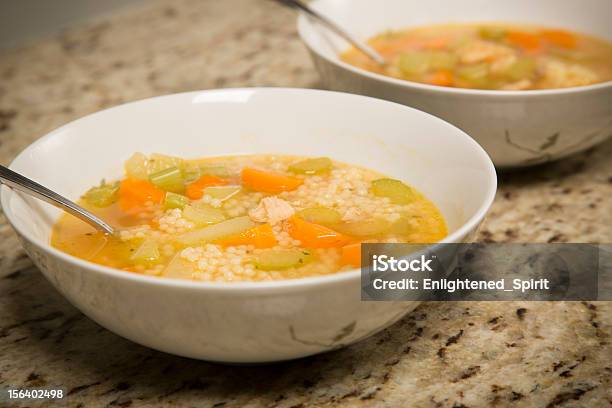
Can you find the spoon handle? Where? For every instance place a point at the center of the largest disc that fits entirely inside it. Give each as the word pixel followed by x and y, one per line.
pixel 361 46
pixel 30 187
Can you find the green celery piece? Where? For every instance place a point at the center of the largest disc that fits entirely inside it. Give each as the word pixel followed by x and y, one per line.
pixel 170 179
pixel 174 200
pixel 317 165
pixel 279 259
pixel 365 228
pixel 395 190
pixel 102 195
pixel 320 215
pixel 492 33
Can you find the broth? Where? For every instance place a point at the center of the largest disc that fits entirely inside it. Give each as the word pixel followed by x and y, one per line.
pixel 246 218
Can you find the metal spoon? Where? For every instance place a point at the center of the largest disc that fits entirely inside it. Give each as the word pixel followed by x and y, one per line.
pixel 361 46
pixel 18 182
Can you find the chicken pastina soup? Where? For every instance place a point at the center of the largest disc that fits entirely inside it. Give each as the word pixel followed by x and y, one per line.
pixel 245 218
pixel 490 56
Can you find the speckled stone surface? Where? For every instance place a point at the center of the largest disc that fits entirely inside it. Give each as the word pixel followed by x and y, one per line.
pixel 475 354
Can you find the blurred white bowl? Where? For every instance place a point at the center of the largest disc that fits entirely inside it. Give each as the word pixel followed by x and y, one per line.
pixel 516 128
pixel 258 321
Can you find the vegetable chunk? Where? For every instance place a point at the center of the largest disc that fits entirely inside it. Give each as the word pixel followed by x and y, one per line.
pixel 217 231
pixel 320 215
pixel 102 195
pixel 135 194
pixel 170 179
pixel 280 259
pixel 315 235
pixel 268 182
pixel 261 236
pixel 203 214
pixel 395 190
pixel 312 166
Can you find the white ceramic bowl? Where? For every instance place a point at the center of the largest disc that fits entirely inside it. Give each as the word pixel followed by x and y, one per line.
pixel 516 128
pixel 244 322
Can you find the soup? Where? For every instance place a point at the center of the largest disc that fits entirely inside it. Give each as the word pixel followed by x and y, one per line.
pixel 490 56
pixel 245 218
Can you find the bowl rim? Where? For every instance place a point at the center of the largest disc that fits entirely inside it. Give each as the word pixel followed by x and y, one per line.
pixel 304 25
pixel 282 284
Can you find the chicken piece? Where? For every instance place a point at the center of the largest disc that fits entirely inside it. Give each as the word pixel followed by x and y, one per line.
pixel 483 51
pixel 558 74
pixel 518 85
pixel 271 210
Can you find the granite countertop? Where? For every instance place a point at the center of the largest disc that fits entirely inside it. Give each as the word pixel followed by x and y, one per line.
pixel 464 354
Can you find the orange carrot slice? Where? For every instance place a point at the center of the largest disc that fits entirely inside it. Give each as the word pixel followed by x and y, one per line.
pixel 315 235
pixel 134 194
pixel 527 41
pixel 268 182
pixel 441 78
pixel 351 255
pixel 260 236
pixel 195 190
pixel 438 43
pixel 560 37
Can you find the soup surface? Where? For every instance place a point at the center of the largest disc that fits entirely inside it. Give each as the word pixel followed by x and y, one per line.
pixel 490 56
pixel 239 218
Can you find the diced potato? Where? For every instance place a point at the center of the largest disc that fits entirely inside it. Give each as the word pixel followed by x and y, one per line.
pixel 203 214
pixel 139 166
pixel 158 162
pixel 146 253
pixel 317 165
pixel 320 215
pixel 173 200
pixel 102 195
pixel 414 63
pixel 395 190
pixel 217 231
pixel 222 192
pixel 278 259
pixel 365 228
pixel 136 167
pixel 170 179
